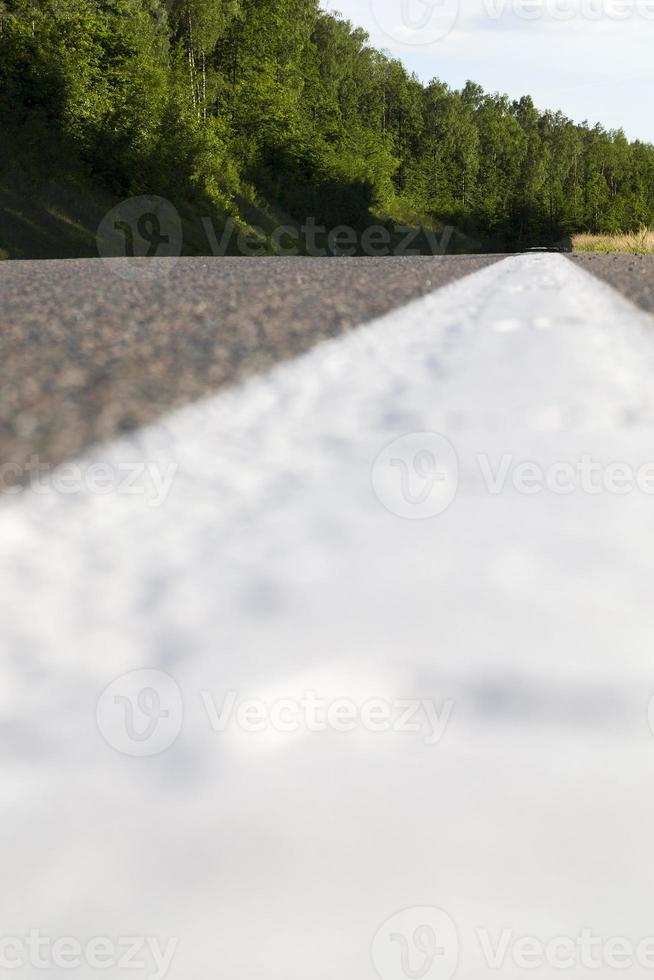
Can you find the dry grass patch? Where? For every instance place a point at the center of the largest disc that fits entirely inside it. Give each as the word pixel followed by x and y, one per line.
pixel 635 242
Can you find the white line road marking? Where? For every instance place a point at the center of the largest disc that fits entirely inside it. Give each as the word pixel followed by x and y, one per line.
pixel 511 623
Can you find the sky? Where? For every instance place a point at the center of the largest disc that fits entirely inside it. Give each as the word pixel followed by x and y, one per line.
pixel 592 59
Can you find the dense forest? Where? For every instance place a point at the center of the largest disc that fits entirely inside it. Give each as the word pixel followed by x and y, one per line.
pixel 274 108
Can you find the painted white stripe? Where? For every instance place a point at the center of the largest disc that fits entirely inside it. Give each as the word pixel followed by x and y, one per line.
pixel 273 569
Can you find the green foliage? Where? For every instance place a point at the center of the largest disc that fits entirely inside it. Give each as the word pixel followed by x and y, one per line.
pixel 277 104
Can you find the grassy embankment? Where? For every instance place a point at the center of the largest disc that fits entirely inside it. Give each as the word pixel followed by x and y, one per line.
pixel 43 219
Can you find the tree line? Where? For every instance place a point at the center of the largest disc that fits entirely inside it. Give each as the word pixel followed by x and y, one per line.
pixel 277 107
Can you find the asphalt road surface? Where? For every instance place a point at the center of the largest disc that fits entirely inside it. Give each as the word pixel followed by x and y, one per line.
pixel 343 669
pixel 632 275
pixel 92 348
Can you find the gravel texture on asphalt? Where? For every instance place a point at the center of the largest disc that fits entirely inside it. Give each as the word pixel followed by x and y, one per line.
pixel 632 275
pixel 86 353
